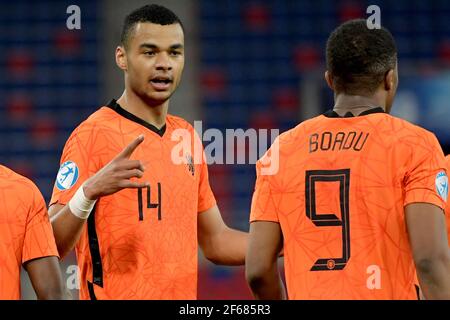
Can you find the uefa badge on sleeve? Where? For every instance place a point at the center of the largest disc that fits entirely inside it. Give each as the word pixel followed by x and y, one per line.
pixel 67 176
pixel 442 185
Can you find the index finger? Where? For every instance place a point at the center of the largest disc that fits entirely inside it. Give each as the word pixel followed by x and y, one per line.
pixel 129 149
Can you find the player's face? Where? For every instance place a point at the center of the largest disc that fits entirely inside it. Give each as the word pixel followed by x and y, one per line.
pixel 393 89
pixel 155 61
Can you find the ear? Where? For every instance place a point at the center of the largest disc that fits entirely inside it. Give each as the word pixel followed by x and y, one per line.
pixel 329 79
pixel 389 80
pixel 121 58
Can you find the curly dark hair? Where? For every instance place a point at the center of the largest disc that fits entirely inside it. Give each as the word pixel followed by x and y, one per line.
pixel 359 58
pixel 152 13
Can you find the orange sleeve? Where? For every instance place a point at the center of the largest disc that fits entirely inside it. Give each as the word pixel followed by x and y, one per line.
pixel 78 162
pixel 206 198
pixel 263 206
pixel 426 180
pixel 39 240
pixel 447 210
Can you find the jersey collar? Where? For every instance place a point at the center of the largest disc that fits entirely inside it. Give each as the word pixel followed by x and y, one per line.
pixel 124 113
pixel 333 114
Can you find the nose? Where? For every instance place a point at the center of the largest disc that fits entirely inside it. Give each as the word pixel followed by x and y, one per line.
pixel 163 62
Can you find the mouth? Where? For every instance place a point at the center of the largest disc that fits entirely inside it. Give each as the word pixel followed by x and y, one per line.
pixel 161 83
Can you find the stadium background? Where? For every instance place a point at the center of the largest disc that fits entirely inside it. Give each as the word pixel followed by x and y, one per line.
pixel 249 64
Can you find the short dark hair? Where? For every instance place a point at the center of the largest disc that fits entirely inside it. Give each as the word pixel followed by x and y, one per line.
pixel 152 13
pixel 359 58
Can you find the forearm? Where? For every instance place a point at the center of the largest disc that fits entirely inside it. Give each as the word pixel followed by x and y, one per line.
pixel 67 229
pixel 53 294
pixel 267 286
pixel 434 278
pixel 227 248
pixel 46 278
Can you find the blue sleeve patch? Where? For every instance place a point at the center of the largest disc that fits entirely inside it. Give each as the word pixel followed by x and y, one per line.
pixel 442 185
pixel 67 176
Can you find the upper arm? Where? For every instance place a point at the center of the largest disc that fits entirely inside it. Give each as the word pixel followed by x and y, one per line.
pixel 426 188
pixel 45 276
pixel 39 240
pixel 425 179
pixel 427 231
pixel 79 161
pixel 206 199
pixel 210 224
pixel 265 245
pixel 265 236
pixel 220 244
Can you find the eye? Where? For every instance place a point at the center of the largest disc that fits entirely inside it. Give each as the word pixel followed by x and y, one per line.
pixel 149 53
pixel 175 53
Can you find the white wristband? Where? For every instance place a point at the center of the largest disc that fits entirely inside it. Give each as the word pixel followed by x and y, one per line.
pixel 80 205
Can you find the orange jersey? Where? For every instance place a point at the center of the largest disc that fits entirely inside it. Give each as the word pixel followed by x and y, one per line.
pixel 137 243
pixel 339 197
pixel 447 210
pixel 25 230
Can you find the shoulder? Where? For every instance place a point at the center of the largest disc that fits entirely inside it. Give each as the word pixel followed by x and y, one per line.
pixel 405 125
pixel 284 147
pixel 89 129
pixel 178 122
pixel 410 134
pixel 16 185
pixel 181 127
pixel 298 135
pixel 97 119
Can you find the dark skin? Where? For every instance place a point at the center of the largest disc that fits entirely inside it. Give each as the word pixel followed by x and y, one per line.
pixel 428 238
pixel 425 222
pixel 356 104
pixel 264 247
pixel 45 276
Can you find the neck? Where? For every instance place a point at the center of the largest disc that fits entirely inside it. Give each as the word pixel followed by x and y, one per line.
pixel 153 114
pixel 357 104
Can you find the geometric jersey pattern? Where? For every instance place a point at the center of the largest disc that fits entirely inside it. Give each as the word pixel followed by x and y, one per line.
pixel 135 246
pixel 25 230
pixel 339 197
